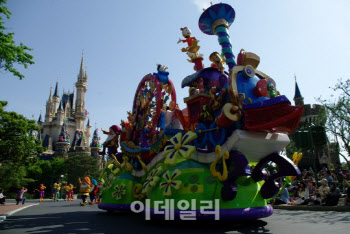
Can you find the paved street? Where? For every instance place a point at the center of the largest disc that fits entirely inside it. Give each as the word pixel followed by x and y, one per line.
pixel 69 217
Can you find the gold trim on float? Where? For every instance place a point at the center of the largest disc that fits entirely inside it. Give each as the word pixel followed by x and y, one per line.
pixel 219 22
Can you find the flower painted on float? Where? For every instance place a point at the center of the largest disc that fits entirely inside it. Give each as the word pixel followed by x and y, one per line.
pixel 170 182
pixel 179 147
pixel 107 184
pixel 151 180
pixel 119 191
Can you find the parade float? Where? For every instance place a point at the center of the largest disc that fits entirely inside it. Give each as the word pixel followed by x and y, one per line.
pixel 214 151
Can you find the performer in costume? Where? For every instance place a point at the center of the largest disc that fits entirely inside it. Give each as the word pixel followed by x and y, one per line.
pixel 71 192
pixel 99 194
pixel 65 191
pixel 84 190
pixel 95 191
pixel 41 191
pixel 112 139
pixel 56 191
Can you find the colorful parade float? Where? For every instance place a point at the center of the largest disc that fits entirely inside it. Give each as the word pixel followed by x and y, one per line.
pixel 216 149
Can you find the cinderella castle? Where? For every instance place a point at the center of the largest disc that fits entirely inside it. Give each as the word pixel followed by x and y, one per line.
pixel 323 153
pixel 66 128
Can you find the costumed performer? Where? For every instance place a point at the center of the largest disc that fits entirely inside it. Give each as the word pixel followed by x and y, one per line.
pixel 41 191
pixel 95 191
pixel 84 190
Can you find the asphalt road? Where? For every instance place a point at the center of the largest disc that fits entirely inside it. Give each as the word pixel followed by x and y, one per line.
pixel 69 217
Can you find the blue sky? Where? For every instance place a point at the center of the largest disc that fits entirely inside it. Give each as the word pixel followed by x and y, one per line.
pixel 124 40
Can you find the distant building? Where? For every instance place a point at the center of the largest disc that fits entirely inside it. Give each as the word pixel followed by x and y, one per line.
pixel 66 127
pixel 325 154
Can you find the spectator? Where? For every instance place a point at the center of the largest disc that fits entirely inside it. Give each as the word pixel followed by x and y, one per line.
pixel 328 177
pixel 283 197
pixel 313 194
pixel 333 196
pixel 323 191
pixel 2 197
pixel 20 196
pixel 303 195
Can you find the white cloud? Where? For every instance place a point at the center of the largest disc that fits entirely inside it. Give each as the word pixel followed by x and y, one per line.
pixel 202 4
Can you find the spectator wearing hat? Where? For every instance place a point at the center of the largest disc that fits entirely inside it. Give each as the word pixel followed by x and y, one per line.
pixel 323 191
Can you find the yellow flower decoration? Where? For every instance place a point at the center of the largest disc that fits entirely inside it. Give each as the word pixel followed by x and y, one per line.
pixel 179 147
pixel 151 180
pixel 119 191
pixel 170 182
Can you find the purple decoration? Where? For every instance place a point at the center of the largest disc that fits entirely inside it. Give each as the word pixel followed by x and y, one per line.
pixel 269 102
pixel 242 168
pixel 209 75
pixel 144 139
pixel 213 13
pixel 229 191
pixel 225 214
pixel 114 207
pixel 286 168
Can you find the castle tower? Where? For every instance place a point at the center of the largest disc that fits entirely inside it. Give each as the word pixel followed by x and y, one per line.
pixel 67 109
pixel 81 86
pixel 73 103
pixel 298 99
pixel 49 108
pixel 88 133
pixel 56 99
pixel 60 113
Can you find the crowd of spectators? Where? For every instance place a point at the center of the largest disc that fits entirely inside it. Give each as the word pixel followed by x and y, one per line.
pixel 329 188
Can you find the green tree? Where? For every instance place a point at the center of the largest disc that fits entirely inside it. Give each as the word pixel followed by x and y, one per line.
pixel 13 177
pixel 18 142
pixel 338 117
pixel 80 166
pixel 10 53
pixel 46 172
pixel 18 145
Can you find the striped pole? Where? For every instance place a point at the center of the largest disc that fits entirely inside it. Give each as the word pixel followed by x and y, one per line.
pixel 215 21
pixel 224 40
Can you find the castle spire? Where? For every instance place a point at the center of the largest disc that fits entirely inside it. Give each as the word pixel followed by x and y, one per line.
pixel 85 75
pixel 298 99
pixel 50 96
pixel 40 119
pixel 81 71
pixel 60 107
pixel 56 90
pixel 88 123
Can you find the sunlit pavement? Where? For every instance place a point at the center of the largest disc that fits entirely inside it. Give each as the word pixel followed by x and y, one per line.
pixel 70 217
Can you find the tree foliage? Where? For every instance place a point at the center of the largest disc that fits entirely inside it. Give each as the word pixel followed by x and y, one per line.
pixel 46 172
pixel 19 164
pixel 80 166
pixel 338 116
pixel 17 140
pixel 17 146
pixel 10 53
pixel 13 177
